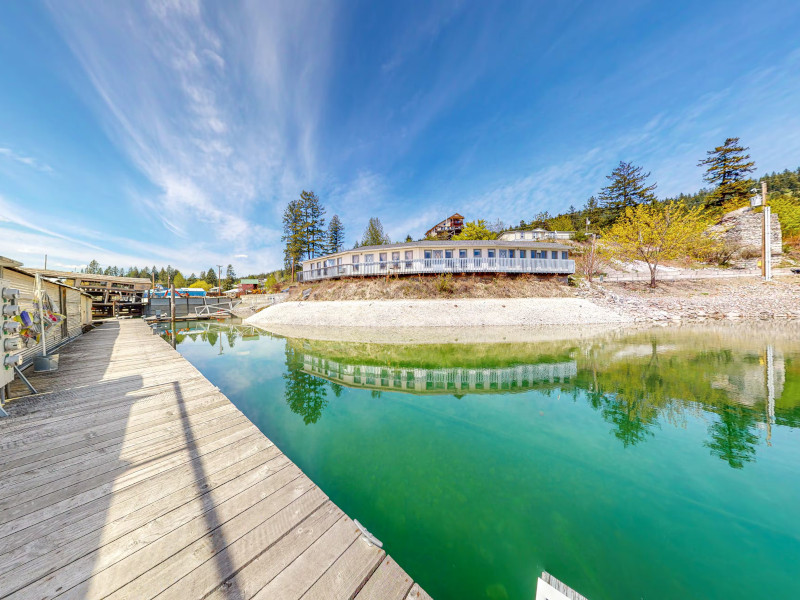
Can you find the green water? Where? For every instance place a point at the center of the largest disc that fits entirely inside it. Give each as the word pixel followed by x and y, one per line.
pixel 652 465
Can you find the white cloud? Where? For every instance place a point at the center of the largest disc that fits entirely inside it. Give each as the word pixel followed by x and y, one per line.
pixel 28 161
pixel 221 119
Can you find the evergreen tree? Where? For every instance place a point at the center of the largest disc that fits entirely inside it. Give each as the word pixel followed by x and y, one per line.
pixel 191 279
pixel 202 276
pixel 211 277
pixel 727 167
pixel 230 277
pixel 628 188
pixel 178 279
pixel 162 277
pixel 335 235
pixel 374 234
pixel 313 214
pixel 408 238
pixel 591 211
pixel 293 236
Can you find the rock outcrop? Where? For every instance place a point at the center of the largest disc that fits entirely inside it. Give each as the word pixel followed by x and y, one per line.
pixel 742 228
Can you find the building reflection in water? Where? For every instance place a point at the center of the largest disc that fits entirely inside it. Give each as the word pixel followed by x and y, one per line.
pixel 441 381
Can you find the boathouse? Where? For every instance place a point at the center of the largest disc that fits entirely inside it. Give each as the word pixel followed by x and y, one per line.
pixel 433 257
pixel 68 311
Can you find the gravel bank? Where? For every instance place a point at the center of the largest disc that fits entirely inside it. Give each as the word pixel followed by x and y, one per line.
pixel 732 299
pixel 507 312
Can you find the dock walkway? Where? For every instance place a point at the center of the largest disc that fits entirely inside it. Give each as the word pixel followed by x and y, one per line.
pixel 129 475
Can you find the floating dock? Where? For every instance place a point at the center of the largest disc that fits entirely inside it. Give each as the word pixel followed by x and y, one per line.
pixel 129 475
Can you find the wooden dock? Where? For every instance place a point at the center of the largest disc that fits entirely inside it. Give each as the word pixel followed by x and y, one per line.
pixel 129 475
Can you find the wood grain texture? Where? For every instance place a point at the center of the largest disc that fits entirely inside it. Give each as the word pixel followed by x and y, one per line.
pixel 129 475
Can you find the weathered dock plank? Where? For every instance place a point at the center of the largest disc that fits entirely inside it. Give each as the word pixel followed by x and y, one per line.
pixel 130 475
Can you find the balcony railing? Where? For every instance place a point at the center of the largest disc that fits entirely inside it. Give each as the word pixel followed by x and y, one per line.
pixel 545 266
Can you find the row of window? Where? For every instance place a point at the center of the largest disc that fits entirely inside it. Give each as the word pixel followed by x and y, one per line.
pixel 491 253
pixel 439 254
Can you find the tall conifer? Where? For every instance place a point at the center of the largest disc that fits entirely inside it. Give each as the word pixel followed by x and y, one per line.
pixel 727 167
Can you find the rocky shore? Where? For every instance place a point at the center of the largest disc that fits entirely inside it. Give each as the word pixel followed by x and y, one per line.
pixel 742 299
pixel 616 304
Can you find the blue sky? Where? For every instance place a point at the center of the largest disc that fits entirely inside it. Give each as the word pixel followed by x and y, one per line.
pixel 176 132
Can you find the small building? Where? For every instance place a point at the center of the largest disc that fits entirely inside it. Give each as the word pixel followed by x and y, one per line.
pixel 446 229
pixel 245 286
pixel 111 295
pixel 536 234
pixel 432 257
pixel 69 306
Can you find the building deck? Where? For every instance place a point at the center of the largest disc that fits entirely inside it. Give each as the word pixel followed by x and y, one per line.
pixel 129 475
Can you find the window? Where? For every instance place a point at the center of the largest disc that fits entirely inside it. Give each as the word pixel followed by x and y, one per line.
pixel 427 254
pixel 503 253
pixel 522 253
pixel 553 254
pixel 369 258
pixel 490 253
pixel 355 262
pixel 382 259
pixel 395 256
pixel 437 254
pixel 564 255
pixel 409 258
pixel 510 254
pixel 448 254
pixel 476 253
pixel 462 254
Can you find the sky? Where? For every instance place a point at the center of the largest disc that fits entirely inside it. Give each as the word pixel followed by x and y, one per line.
pixel 175 132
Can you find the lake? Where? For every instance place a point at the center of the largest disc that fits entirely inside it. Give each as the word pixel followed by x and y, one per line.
pixel 653 464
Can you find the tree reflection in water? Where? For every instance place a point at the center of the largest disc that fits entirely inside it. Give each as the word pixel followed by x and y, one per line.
pixel 636 383
pixel 305 394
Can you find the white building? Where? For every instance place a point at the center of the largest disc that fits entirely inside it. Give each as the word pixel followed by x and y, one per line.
pixel 443 256
pixel 536 235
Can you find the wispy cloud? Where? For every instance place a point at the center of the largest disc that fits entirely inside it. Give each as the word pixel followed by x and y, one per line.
pixel 28 161
pixel 220 118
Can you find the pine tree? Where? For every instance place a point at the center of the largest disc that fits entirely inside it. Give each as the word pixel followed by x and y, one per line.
pixel 727 167
pixel 591 211
pixel 335 235
pixel 211 277
pixel 293 236
pixel 230 277
pixel 313 224
pixel 374 234
pixel 628 188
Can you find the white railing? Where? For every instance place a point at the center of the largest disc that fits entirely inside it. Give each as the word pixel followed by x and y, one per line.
pixel 443 265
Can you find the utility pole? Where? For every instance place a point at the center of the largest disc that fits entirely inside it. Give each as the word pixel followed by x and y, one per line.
pixel 766 235
pixel 219 278
pixel 45 262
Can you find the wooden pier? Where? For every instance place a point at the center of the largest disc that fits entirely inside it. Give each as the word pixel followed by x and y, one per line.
pixel 129 475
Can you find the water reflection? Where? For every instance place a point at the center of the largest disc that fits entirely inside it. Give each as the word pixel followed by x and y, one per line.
pixel 636 383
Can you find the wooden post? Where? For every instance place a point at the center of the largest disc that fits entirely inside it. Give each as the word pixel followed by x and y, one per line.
pixel 764 216
pixel 172 302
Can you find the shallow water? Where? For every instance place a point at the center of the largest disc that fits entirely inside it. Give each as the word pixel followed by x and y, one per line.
pixel 652 464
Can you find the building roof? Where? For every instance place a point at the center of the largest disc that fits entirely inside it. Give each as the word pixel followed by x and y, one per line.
pixel 538 229
pixel 89 276
pixel 249 281
pixel 454 244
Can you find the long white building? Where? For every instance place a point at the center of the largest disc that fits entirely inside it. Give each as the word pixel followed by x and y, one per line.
pixel 443 256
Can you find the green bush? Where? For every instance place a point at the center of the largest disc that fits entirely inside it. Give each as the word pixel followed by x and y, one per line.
pixel 444 283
